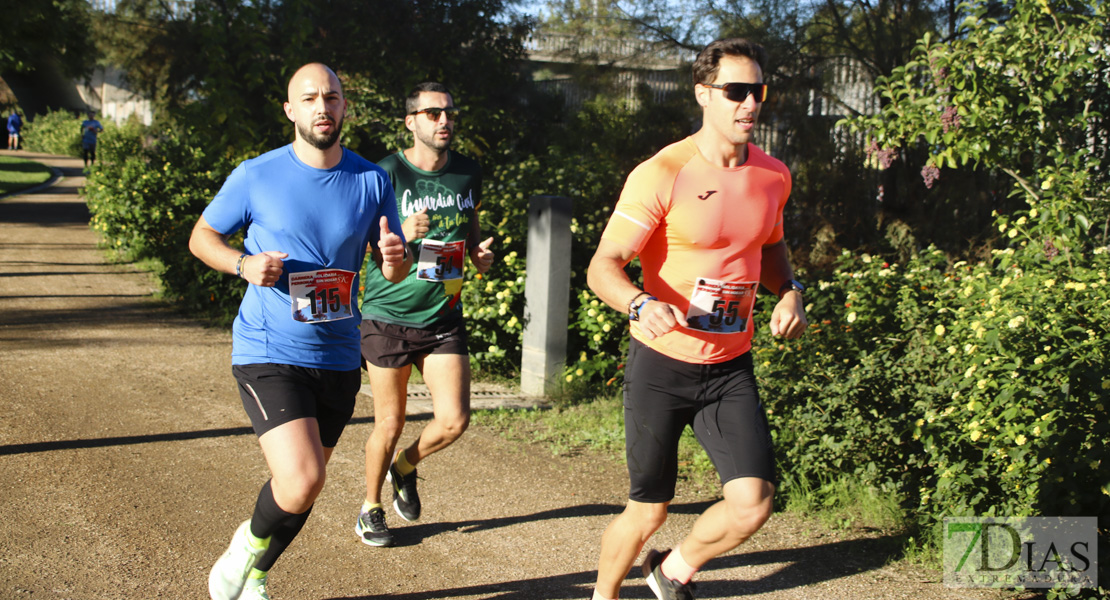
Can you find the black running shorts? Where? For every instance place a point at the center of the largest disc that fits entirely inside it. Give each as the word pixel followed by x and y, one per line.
pixel 275 394
pixel 394 346
pixel 720 402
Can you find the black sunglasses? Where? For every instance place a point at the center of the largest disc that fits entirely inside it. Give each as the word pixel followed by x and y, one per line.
pixel 434 113
pixel 737 92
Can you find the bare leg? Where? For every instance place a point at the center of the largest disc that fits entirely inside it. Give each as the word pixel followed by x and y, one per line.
pixel 297 463
pixel 622 542
pixel 448 379
pixel 730 522
pixel 390 389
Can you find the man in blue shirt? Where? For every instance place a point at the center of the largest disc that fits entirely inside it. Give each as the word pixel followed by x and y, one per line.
pixel 90 128
pixel 310 210
pixel 15 124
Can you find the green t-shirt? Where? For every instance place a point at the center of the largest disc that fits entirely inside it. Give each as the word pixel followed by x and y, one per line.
pixel 428 295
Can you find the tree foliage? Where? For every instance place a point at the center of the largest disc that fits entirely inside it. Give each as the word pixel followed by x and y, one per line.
pixel 34 34
pixel 1015 94
pixel 222 67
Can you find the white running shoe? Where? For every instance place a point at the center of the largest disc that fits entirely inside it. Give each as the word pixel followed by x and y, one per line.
pixel 229 574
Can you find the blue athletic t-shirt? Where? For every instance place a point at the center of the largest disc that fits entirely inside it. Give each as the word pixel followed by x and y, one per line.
pixel 322 218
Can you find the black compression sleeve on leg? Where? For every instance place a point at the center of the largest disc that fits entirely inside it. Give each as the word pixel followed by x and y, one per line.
pixel 268 516
pixel 281 540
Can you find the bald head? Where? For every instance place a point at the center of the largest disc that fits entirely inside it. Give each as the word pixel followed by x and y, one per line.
pixel 312 75
pixel 316 105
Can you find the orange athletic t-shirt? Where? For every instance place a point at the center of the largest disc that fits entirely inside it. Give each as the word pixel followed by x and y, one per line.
pixel 699 230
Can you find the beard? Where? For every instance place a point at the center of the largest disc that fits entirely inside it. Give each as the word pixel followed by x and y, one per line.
pixel 430 140
pixel 321 142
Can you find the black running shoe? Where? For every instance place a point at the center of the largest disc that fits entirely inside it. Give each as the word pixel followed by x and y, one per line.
pixel 661 586
pixel 371 528
pixel 405 499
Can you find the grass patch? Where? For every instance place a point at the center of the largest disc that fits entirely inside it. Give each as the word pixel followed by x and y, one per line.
pixel 844 504
pixel 19 174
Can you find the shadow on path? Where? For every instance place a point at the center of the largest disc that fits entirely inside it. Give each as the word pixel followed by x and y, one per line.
pixel 801 567
pixel 129 440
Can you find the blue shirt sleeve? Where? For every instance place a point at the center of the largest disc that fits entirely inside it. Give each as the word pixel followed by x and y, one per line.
pixel 229 211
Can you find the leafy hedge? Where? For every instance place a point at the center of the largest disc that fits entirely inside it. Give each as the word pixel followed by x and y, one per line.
pixel 145 194
pixel 56 132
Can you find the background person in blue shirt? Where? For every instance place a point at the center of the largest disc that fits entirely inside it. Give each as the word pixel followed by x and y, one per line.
pixel 310 210
pixel 90 128
pixel 15 124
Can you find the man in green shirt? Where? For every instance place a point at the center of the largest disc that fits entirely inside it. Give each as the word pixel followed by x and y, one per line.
pixel 419 321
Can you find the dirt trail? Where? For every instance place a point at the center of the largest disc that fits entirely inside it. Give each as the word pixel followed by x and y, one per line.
pixel 126 462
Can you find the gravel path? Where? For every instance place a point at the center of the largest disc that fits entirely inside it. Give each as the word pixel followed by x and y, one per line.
pixel 127 461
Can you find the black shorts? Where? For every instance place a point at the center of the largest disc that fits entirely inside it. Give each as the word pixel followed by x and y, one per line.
pixel 275 394
pixel 720 402
pixel 394 346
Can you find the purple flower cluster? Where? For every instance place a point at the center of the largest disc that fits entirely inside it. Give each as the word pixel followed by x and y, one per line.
pixel 930 174
pixel 1050 250
pixel 886 156
pixel 950 119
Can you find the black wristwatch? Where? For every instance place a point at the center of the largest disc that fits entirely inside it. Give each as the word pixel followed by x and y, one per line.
pixel 791 285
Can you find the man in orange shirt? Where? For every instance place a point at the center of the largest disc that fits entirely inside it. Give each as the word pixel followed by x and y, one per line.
pixel 705 217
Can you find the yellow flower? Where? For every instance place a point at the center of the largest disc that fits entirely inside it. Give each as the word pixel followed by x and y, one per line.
pixel 975 435
pixel 597 337
pixel 606 327
pixel 919 422
pixel 570 378
pixel 589 313
pixel 1049 282
pixel 982 384
pixel 579 372
pixel 582 357
pixel 852 317
pixel 952 350
pixel 1037 430
pixel 1040 360
pixel 1021 221
pixel 1020 440
pixel 1013 233
pixel 939 330
pixel 1016 322
pixel 1033 213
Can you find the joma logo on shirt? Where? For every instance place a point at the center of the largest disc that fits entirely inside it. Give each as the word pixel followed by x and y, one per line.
pixel 410 206
pixel 706 195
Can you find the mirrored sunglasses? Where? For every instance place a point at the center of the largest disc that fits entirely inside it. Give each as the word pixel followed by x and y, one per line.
pixel 737 92
pixel 434 113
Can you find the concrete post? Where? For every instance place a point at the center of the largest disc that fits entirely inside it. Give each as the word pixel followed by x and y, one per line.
pixel 546 295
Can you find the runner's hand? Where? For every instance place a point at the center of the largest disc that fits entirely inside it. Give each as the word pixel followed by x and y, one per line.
pixel 416 226
pixel 390 245
pixel 265 268
pixel 483 256
pixel 658 318
pixel 789 317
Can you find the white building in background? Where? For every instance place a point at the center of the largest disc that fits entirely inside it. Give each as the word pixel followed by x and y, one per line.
pixel 107 93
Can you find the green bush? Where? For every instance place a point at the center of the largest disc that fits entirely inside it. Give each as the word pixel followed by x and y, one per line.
pixel 56 132
pixel 145 195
